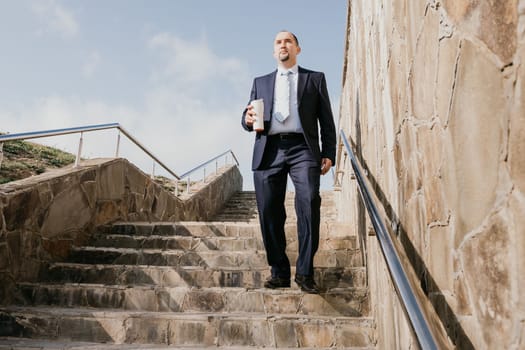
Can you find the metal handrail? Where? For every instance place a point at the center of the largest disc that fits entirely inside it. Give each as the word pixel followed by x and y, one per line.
pixel 411 306
pixel 88 128
pixel 203 166
pixel 82 129
pixel 200 166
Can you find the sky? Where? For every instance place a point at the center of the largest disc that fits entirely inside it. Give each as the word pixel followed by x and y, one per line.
pixel 176 74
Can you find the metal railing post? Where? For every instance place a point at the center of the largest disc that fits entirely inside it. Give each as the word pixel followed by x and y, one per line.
pixel 204 175
pixel 1 153
pixel 118 145
pixel 79 152
pixel 188 186
pixel 153 171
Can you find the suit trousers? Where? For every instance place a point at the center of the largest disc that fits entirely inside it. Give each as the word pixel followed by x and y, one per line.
pixel 283 157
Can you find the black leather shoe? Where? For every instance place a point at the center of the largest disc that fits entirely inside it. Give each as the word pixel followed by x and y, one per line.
pixel 307 284
pixel 277 282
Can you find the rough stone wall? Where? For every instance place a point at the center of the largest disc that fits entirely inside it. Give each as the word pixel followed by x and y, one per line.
pixel 42 217
pixel 434 100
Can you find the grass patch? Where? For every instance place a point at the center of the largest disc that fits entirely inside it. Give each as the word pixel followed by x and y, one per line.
pixel 23 159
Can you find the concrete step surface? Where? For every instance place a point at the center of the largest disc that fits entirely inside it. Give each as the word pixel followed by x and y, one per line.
pixel 332 302
pixel 199 277
pixel 191 243
pixel 213 259
pixel 186 329
pixel 328 229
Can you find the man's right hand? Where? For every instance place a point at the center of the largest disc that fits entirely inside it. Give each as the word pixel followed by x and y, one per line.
pixel 250 117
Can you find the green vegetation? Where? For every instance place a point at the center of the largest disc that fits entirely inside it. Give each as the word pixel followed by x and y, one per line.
pixel 23 159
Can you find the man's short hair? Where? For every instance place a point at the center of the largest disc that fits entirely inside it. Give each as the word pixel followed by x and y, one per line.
pixel 295 37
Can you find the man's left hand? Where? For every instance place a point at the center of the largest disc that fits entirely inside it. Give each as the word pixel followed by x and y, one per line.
pixel 326 164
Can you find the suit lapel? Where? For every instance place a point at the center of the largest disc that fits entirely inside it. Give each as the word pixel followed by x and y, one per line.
pixel 267 95
pixel 301 84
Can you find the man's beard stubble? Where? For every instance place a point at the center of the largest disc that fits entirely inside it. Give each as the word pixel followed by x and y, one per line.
pixel 284 57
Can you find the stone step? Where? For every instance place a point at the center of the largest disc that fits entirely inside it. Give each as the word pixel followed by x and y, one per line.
pixel 179 276
pixel 213 259
pixel 211 243
pixel 327 229
pixel 242 207
pixel 189 329
pixel 334 302
pixel 157 257
pixel 251 214
pixel 178 242
pixel 10 343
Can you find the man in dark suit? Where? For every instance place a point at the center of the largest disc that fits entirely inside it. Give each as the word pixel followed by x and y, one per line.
pixel 296 110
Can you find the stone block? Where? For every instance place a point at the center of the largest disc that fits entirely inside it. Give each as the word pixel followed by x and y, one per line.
pixel 45 193
pixel 498 27
pixel 486 263
pixel 423 74
pixel 5 261
pixel 517 210
pixel 135 180
pixel 90 189
pixel 140 299
pixel 441 263
pixel 276 303
pixel 244 332
pixel 56 223
pixel 414 223
pixel 106 212
pixel 416 12
pixel 516 160
pixel 358 334
pixel 476 127
pixel 463 302
pixel 285 334
pixel 147 330
pixel 110 181
pixel 315 333
pixel 244 301
pixel 446 76
pixel 210 300
pixel 90 329
pixel 198 332
pixel 20 209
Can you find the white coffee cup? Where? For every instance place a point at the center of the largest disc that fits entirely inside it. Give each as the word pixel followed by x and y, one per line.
pixel 258 108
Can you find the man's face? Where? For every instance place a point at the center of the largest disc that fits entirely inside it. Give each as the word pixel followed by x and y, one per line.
pixel 285 49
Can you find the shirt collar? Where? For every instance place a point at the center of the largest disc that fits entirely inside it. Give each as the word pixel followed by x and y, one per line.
pixel 294 69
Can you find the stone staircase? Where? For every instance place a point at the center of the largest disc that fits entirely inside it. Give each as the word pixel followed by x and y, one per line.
pixel 193 285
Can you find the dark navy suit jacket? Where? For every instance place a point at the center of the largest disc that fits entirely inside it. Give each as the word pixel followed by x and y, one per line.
pixel 314 111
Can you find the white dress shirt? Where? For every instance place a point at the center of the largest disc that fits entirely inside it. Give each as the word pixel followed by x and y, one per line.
pixel 293 122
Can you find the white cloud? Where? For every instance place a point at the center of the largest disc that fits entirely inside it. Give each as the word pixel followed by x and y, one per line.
pixel 91 64
pixel 55 18
pixel 193 61
pixel 190 112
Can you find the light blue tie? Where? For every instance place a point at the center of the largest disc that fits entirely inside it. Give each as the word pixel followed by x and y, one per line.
pixel 283 99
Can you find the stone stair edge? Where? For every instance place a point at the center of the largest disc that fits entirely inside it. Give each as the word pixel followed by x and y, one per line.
pixel 29 344
pixel 190 268
pixel 54 311
pixel 291 290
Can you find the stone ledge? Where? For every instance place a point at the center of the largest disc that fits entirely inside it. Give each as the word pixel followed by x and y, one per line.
pixel 43 216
